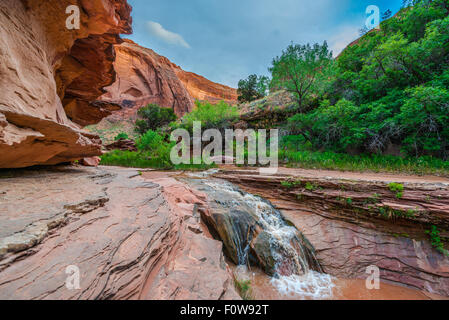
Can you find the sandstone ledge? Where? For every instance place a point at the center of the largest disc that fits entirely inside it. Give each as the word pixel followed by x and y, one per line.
pixel 131 238
pixel 339 213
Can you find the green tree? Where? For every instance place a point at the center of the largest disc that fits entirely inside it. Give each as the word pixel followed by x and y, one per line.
pixel 153 117
pixel 219 116
pixel 303 70
pixel 252 88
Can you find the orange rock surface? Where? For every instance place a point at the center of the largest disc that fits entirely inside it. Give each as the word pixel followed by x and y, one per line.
pixel 145 77
pixel 51 77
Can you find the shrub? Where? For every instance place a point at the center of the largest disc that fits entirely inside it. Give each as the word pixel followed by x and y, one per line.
pixel 153 117
pixel 121 135
pixel 154 146
pixel 252 88
pixel 435 239
pixel 219 116
pixel 397 188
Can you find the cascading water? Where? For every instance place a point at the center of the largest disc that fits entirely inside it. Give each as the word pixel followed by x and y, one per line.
pixel 254 232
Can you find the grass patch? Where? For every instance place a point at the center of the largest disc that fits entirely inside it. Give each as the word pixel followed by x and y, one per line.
pixel 153 152
pixel 144 160
pixel 390 213
pixel 244 288
pixel 290 184
pixel 359 163
pixel 310 187
pixel 397 188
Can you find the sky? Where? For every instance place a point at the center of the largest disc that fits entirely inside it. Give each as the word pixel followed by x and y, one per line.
pixel 227 40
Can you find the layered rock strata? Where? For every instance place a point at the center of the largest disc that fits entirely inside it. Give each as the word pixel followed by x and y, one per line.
pixel 51 77
pixel 356 221
pixel 130 238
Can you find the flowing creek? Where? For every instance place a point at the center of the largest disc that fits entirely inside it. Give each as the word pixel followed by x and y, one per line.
pixel 273 256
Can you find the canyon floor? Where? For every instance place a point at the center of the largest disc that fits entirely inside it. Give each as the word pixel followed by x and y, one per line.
pixel 139 234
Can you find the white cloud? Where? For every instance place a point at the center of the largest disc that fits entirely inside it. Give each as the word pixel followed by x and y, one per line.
pixel 157 30
pixel 341 39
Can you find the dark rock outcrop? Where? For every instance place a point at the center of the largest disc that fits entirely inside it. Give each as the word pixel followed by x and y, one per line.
pixel 122 144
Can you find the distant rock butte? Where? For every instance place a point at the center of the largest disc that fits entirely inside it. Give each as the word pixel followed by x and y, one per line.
pixel 145 77
pixel 51 78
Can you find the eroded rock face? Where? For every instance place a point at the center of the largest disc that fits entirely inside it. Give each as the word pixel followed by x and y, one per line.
pixel 252 230
pixel 122 144
pixel 202 89
pixel 356 222
pixel 52 76
pixel 267 112
pixel 130 237
pixel 145 77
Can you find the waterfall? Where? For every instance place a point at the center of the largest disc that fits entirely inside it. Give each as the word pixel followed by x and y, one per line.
pixel 254 232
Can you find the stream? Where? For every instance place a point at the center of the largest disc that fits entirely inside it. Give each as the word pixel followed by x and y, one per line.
pixel 273 256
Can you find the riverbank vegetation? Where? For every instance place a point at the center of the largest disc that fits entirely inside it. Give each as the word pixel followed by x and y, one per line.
pixel 382 105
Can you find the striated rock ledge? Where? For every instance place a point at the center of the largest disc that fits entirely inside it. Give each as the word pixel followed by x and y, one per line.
pixel 341 217
pixel 131 238
pixel 145 77
pixel 51 77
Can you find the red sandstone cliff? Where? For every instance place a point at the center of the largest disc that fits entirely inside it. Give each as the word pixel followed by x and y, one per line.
pixel 51 77
pixel 145 77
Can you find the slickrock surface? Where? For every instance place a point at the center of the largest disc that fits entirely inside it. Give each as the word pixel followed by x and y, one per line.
pixel 145 77
pixel 341 215
pixel 130 237
pixel 51 77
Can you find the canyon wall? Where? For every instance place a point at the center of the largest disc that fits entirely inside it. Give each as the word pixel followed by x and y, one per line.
pixel 145 77
pixel 51 77
pixel 355 221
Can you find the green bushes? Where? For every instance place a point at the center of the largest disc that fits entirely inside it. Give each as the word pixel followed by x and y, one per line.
pixel 121 135
pixel 391 88
pixel 219 116
pixel 153 117
pixel 397 188
pixel 154 147
pixel 435 239
pixel 153 152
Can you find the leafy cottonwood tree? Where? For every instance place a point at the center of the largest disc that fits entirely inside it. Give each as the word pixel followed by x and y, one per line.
pixel 392 88
pixel 302 70
pixel 252 88
pixel 153 117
